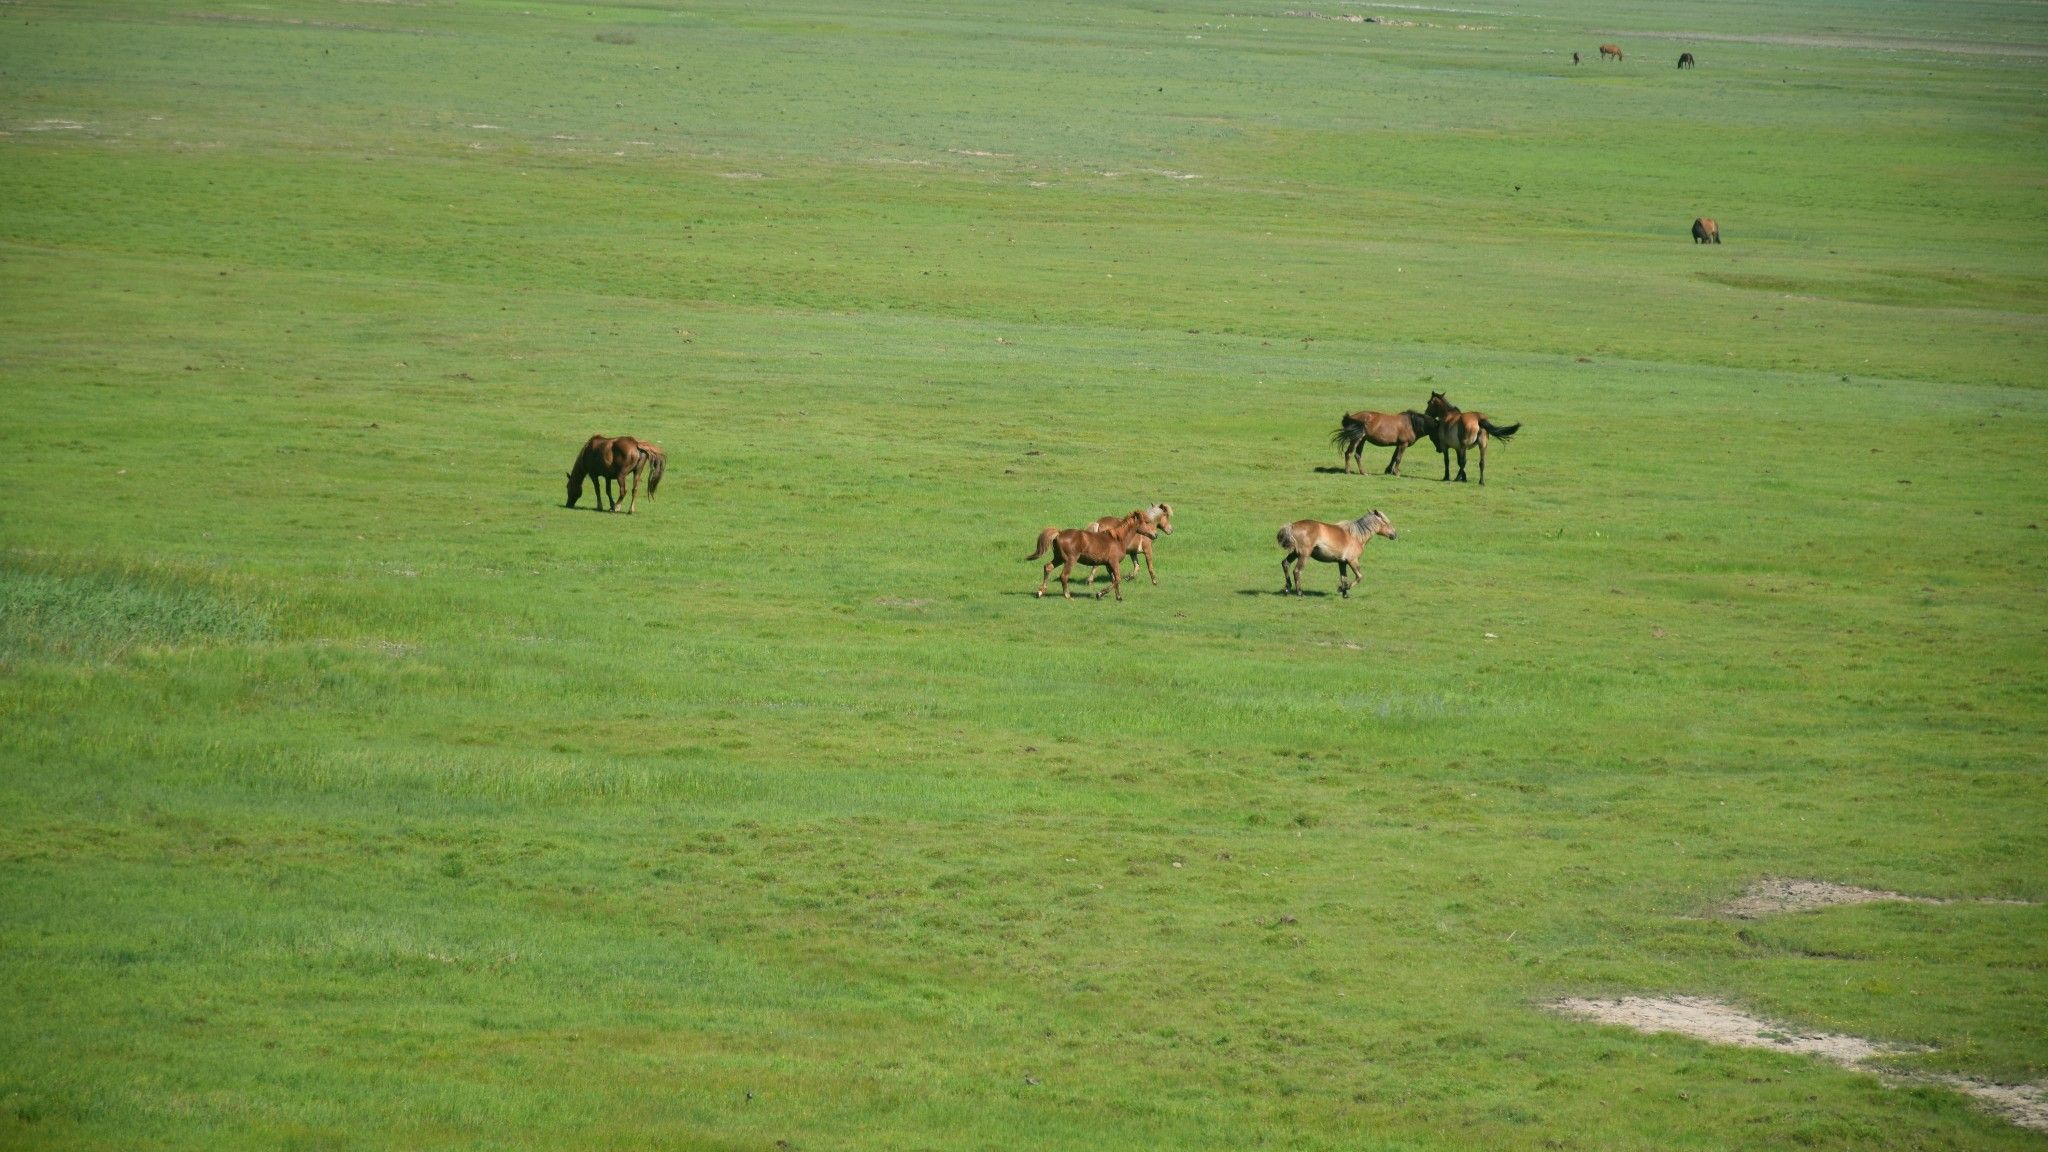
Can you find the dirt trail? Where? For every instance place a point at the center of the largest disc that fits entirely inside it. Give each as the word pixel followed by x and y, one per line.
pixel 2025 1105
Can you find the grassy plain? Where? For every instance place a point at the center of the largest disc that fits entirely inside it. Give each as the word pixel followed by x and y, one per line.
pixel 354 794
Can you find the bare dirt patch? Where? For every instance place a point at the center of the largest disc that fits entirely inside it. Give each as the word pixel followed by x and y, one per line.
pixel 1718 1023
pixel 1701 1018
pixel 1772 895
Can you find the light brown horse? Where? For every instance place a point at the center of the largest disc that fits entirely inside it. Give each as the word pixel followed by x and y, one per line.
pixel 610 460
pixel 1160 516
pixel 1105 549
pixel 1338 543
pixel 1613 50
pixel 1461 431
pixel 1705 231
pixel 1396 430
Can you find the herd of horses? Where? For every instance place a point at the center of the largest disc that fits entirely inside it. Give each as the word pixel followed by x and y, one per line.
pixel 611 463
pixel 1613 52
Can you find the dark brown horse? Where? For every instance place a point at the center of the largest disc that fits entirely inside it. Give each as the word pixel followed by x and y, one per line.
pixel 1461 431
pixel 1613 50
pixel 610 460
pixel 1396 430
pixel 1095 549
pixel 1705 231
pixel 1685 60
pixel 1331 543
pixel 1159 516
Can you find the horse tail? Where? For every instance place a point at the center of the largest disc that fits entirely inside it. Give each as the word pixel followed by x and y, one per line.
pixel 1285 537
pixel 1503 433
pixel 1348 434
pixel 655 463
pixel 1045 540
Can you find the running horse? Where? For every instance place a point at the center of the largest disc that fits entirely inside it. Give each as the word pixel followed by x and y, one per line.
pixel 1461 431
pixel 610 460
pixel 1159 516
pixel 1105 549
pixel 1396 430
pixel 1330 543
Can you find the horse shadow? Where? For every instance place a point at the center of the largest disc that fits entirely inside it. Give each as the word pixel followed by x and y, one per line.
pixel 1275 592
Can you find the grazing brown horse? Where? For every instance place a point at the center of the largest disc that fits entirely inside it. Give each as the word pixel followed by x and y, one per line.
pixel 1159 516
pixel 610 460
pixel 1396 430
pixel 1105 549
pixel 1461 431
pixel 1338 543
pixel 1685 60
pixel 1613 50
pixel 1705 231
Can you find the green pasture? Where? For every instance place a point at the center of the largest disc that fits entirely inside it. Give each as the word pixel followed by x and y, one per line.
pixel 355 794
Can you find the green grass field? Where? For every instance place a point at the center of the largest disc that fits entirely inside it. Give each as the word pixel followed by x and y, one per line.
pixel 354 794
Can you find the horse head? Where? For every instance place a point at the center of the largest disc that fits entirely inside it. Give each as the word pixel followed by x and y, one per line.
pixel 1439 405
pixel 1375 523
pixel 576 489
pixel 1162 515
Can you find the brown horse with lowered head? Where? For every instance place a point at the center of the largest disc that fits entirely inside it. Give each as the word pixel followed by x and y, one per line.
pixel 1331 543
pixel 1105 549
pixel 1159 516
pixel 1396 430
pixel 1461 431
pixel 1705 231
pixel 610 460
pixel 1613 50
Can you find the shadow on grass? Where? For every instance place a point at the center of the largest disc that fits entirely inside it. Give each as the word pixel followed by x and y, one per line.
pixel 1277 592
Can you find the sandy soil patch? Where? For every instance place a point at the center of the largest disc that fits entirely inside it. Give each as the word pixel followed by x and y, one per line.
pixel 1718 1023
pixel 1772 895
pixel 2025 1105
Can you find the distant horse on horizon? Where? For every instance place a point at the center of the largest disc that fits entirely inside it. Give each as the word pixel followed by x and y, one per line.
pixel 1685 60
pixel 1396 430
pixel 1613 50
pixel 610 460
pixel 1338 544
pixel 1459 432
pixel 1705 231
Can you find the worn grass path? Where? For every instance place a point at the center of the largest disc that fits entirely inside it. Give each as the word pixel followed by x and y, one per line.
pixel 354 794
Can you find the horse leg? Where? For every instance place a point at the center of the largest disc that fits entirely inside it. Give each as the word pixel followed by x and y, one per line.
pixel 634 500
pixel 1344 589
pixel 1461 463
pixel 1286 574
pixel 1063 578
pixel 1116 580
pixel 1394 465
pixel 1446 454
pixel 1147 553
pixel 1048 577
pixel 1482 458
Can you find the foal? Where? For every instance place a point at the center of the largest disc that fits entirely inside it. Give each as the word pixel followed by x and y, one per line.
pixel 1105 549
pixel 1340 543
pixel 1159 515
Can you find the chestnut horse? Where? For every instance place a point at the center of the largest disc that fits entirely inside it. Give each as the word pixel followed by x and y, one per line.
pixel 1613 50
pixel 1338 543
pixel 1705 231
pixel 1105 549
pixel 610 460
pixel 1460 431
pixel 1158 515
pixel 1396 430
